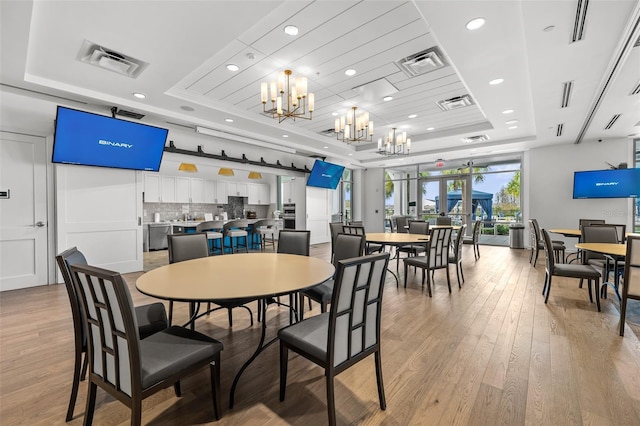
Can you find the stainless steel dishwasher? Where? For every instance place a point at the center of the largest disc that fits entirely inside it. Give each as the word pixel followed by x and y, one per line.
pixel 158 236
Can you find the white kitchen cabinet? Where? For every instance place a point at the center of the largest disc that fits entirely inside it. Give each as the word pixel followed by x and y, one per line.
pixel 197 190
pixel 215 192
pixel 168 189
pixel 259 193
pixel 183 187
pixel 152 188
pixel 288 192
pixel 237 189
pixel 221 192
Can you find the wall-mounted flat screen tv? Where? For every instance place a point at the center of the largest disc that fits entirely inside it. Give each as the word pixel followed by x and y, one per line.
pixel 96 140
pixel 325 175
pixel 620 183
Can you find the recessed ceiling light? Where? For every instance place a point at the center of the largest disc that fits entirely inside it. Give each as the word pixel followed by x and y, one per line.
pixel 187 108
pixel 140 95
pixel 476 23
pixel 507 111
pixel 326 147
pixel 285 136
pixel 413 115
pixel 511 122
pixel 496 81
pixel 350 72
pixel 431 128
pixel 291 30
pixel 335 114
pixel 350 154
pixel 387 98
pixel 233 67
pixel 549 28
pixel 513 127
pixel 229 120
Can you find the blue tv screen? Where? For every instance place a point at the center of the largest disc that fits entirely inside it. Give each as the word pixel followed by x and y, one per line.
pixel 96 140
pixel 620 183
pixel 325 175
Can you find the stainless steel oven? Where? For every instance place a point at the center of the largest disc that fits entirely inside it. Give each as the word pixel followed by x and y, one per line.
pixel 289 216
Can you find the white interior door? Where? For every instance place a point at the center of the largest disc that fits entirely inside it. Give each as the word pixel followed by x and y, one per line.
pixel 23 211
pixel 319 207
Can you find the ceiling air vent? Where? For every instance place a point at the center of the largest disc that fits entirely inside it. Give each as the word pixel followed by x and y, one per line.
pixel 455 103
pixel 476 138
pixel 636 89
pixel 328 132
pixel 108 59
pixel 581 19
pixel 124 113
pixel 566 93
pixel 422 62
pixel 612 121
pixel 559 128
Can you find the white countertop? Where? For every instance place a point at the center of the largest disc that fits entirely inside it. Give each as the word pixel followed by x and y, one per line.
pixel 192 223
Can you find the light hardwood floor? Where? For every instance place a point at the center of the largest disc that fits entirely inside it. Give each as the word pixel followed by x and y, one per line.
pixel 490 353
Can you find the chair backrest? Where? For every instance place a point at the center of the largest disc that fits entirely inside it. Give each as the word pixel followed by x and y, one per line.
pixel 210 225
pixel 348 246
pixel 550 263
pixel 401 222
pixel 621 230
pixel 631 287
pixel 536 226
pixel 389 222
pixel 476 231
pixel 264 223
pixel 294 241
pixel 236 224
pixel 65 259
pixel 443 220
pixel 356 307
pixel 438 247
pixel 587 222
pixel 418 227
pixel 113 340
pixel 356 223
pixel 187 246
pixel 353 229
pixel 534 233
pixel 457 246
pixel 597 233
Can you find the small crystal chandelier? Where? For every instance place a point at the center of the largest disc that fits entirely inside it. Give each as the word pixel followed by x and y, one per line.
pixel 352 128
pixel 288 101
pixel 394 144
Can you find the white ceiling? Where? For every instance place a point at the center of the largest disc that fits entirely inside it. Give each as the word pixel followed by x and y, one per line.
pixel 188 45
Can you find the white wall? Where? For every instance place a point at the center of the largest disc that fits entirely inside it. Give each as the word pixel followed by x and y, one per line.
pixel 548 184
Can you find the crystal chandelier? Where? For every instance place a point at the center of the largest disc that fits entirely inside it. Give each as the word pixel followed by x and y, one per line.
pixel 394 144
pixel 288 101
pixel 354 128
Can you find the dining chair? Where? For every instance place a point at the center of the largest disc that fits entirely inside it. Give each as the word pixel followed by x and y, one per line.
pixel 401 223
pixel 128 368
pixel 631 281
pixel 347 246
pixel 569 270
pixel 621 230
pixel 150 318
pixel 335 228
pixel 455 256
pixel 184 247
pixel 600 233
pixel 292 241
pixel 213 229
pixel 419 227
pixel 348 333
pixel 443 220
pixel 359 230
pixel 537 245
pixel 235 229
pixel 474 238
pixel 436 256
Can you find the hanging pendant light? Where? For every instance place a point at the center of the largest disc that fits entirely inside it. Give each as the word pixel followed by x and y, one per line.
pixel 225 172
pixel 188 167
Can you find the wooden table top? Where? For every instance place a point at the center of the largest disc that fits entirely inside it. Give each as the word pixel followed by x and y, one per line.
pixel 396 238
pixel 567 232
pixel 244 275
pixel 605 248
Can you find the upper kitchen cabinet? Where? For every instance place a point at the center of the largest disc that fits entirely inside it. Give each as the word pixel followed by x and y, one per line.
pixel 152 188
pixel 288 192
pixel 259 193
pixel 197 188
pixel 215 192
pixel 237 189
pixel 168 189
pixel 183 190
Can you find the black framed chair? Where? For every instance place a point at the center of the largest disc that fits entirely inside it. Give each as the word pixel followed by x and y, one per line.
pixel 184 247
pixel 474 238
pixel 601 233
pixel 347 246
pixel 536 244
pixel 123 365
pixel 293 241
pixel 443 220
pixel 358 229
pixel 455 257
pixel 402 224
pixel 348 333
pixel 631 281
pixel 419 227
pixel 150 318
pixel 569 270
pixel 436 256
pixel 335 228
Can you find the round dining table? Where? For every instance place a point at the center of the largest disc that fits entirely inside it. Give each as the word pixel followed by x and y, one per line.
pixel 615 252
pixel 259 276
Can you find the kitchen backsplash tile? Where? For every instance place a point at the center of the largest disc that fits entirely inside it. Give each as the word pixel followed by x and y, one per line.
pixel 236 208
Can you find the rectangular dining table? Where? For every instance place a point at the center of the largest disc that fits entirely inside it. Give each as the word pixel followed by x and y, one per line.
pixel 258 276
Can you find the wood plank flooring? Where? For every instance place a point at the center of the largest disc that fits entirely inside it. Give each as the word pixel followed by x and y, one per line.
pixel 489 353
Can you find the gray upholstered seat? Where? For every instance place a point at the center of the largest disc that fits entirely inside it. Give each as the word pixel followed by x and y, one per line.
pixel 436 256
pixel 127 368
pixel 150 318
pixel 348 333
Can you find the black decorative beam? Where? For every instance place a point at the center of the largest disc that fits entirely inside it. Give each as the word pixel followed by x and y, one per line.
pixel 225 157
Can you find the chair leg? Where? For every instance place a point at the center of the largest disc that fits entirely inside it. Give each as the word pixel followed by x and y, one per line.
pixel 448 279
pixel 301 310
pixel 214 368
pixel 623 312
pixel 548 287
pixel 230 314
pixel 250 314
pixel 284 361
pixel 535 256
pixel 331 403
pixel 429 282
pixel 85 365
pixel 590 289
pixel 597 293
pixel 91 403
pixel 383 401
pixel 406 269
pixel 461 272
pixel 136 412
pixel 176 389
pixel 76 383
pixel 170 312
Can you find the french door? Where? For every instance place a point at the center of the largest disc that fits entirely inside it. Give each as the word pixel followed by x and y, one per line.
pixel 448 194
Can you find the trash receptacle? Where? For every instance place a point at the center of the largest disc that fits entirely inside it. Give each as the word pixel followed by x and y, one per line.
pixel 516 236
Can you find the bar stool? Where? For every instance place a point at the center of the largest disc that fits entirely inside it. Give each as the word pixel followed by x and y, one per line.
pixel 236 229
pixel 212 228
pixel 263 229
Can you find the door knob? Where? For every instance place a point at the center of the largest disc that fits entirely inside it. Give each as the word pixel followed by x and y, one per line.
pixel 40 224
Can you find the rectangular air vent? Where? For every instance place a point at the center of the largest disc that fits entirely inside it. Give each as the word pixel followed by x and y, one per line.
pixel 422 62
pixel 581 19
pixel 108 59
pixel 476 138
pixel 612 121
pixel 559 128
pixel 455 103
pixel 328 132
pixel 636 89
pixel 566 93
pixel 128 114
